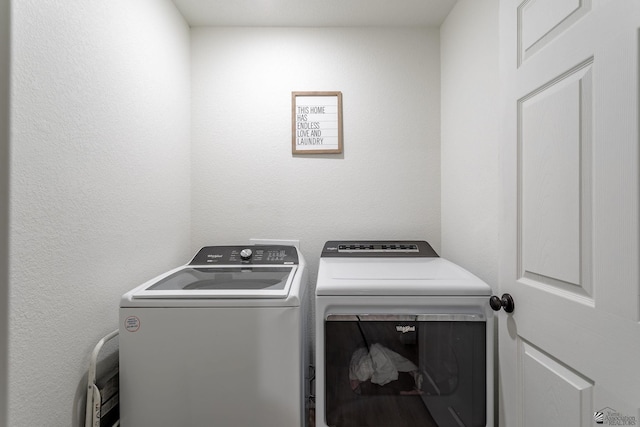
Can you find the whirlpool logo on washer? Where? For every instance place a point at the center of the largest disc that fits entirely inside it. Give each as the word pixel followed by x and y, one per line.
pixel 405 328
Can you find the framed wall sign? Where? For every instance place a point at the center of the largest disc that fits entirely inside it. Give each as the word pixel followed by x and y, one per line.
pixel 316 122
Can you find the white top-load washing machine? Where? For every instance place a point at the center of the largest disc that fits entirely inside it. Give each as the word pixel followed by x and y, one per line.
pixel 403 338
pixel 217 342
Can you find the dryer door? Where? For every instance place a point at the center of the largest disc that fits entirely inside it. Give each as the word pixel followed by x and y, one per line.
pixel 405 370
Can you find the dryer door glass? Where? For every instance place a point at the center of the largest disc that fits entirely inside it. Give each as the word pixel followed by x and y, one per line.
pixel 399 370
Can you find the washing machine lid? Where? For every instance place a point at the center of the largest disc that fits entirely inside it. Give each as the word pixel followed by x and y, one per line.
pixel 231 281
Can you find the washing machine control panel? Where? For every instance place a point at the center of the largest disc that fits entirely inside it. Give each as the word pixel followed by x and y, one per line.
pixel 378 248
pixel 250 254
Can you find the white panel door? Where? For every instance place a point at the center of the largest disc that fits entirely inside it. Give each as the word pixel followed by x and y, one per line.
pixel 570 352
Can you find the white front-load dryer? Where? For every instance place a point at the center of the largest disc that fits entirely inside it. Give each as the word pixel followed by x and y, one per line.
pixel 217 342
pixel 404 338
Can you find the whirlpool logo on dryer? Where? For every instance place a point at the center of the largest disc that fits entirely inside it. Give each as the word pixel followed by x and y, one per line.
pixel 405 328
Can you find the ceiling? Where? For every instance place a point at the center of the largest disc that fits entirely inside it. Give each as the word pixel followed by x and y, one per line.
pixel 314 13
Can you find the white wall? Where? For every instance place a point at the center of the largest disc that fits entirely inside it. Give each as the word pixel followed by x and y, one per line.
pixel 99 182
pixel 4 200
pixel 470 124
pixel 245 181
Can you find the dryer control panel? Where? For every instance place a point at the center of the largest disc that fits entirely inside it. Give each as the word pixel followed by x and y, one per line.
pixel 249 255
pixel 378 248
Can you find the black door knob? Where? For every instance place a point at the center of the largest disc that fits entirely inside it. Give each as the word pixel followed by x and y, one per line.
pixel 505 302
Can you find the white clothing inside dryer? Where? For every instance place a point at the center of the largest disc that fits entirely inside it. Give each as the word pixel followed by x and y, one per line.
pixel 378 364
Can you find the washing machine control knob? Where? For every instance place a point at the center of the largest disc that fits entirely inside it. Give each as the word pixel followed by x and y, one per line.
pixel 245 254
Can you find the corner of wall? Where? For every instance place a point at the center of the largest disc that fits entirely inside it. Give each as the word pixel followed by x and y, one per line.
pixel 469 42
pixel 5 63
